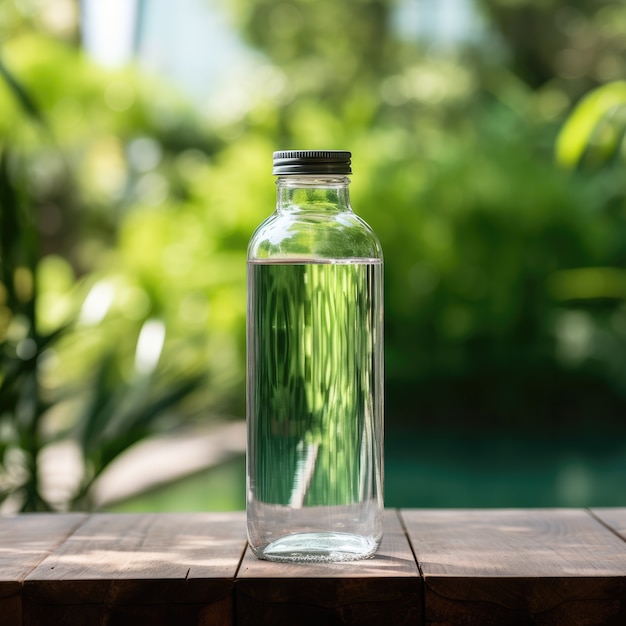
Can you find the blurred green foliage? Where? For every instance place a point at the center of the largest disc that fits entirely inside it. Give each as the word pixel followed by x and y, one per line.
pixel 111 269
pixel 126 215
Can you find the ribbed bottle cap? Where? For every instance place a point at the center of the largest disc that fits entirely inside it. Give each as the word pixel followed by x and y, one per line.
pixel 312 162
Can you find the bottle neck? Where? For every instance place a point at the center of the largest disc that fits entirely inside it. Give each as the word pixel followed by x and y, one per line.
pixel 328 193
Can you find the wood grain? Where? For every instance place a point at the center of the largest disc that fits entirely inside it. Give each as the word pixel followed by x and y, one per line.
pixel 25 540
pixel 135 569
pixel 518 567
pixel 382 590
pixel 546 567
pixel 614 518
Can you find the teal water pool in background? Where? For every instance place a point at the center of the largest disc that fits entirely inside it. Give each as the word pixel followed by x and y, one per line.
pixel 479 471
pixel 444 471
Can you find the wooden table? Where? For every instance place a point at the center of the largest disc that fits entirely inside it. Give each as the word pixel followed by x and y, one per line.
pixel 550 566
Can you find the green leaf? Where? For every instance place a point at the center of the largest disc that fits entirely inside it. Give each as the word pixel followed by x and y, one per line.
pixel 588 123
pixel 25 100
pixel 129 428
pixel 100 408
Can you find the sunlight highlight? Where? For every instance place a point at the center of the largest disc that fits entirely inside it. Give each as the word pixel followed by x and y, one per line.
pixel 149 346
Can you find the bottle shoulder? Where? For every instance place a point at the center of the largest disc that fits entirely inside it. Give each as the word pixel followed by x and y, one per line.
pixel 310 235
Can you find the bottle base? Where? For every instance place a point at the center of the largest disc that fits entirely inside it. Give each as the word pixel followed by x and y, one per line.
pixel 317 547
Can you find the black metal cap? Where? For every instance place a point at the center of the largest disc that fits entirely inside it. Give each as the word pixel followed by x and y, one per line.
pixel 312 162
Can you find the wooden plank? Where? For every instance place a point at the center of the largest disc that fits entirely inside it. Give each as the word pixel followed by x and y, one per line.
pixel 614 518
pixel 25 540
pixel 383 590
pixel 140 569
pixel 518 567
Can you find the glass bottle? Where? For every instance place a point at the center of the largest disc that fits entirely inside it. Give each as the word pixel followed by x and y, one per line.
pixel 314 369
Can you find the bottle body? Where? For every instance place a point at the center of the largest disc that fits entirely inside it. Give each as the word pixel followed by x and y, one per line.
pixel 315 378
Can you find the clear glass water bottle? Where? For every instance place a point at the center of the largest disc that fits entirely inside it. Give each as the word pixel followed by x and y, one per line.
pixel 315 369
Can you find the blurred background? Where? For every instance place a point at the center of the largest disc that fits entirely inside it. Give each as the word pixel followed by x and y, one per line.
pixel 135 162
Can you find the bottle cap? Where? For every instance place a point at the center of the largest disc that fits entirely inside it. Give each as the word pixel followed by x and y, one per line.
pixel 312 162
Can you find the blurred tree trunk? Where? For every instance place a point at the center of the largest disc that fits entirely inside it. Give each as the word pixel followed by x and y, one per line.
pixel 531 34
pixel 550 39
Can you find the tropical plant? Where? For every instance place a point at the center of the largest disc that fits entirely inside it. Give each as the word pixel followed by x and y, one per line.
pixel 82 359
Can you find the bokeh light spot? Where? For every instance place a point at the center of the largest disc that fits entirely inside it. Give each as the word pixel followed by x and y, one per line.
pixel 119 95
